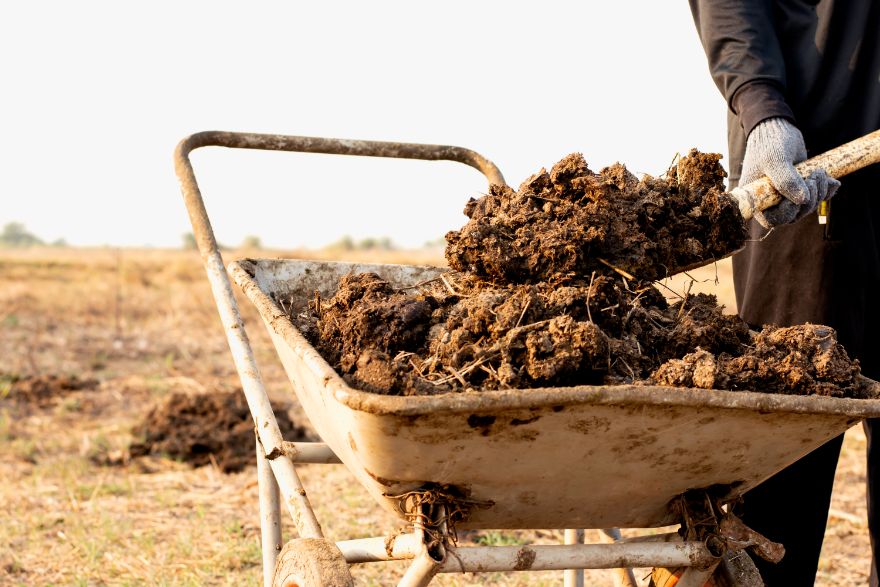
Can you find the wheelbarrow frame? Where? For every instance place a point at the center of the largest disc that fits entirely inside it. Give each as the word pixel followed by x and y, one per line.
pixel 276 458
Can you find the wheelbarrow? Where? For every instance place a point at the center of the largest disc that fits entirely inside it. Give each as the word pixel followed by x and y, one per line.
pixel 555 458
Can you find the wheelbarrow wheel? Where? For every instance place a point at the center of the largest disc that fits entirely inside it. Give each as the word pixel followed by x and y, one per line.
pixel 736 569
pixel 311 562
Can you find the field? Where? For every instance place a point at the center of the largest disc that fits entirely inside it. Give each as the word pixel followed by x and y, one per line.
pixel 142 325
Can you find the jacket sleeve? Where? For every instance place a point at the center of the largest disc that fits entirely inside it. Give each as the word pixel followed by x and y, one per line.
pixel 744 56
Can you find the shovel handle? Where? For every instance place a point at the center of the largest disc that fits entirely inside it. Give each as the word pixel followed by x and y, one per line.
pixel 837 162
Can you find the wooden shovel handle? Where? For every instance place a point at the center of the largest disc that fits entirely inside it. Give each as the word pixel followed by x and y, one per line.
pixel 838 162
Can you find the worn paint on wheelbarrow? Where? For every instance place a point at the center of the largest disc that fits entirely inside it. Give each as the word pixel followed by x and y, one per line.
pixel 588 457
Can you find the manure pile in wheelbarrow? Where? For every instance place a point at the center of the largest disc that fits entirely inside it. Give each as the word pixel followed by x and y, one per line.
pixel 554 286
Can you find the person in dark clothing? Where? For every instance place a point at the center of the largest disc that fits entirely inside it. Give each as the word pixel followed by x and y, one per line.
pixel 795 70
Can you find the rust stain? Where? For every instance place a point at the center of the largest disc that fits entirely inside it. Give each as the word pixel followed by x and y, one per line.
pixel 640 440
pixel 528 497
pixel 381 480
pixel 410 421
pixel 521 422
pixel 389 545
pixel 590 425
pixel 526 436
pixel 525 558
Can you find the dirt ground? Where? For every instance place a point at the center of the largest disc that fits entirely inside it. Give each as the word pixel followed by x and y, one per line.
pixel 114 334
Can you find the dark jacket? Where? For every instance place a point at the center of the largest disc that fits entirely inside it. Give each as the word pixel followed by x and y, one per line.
pixel 817 64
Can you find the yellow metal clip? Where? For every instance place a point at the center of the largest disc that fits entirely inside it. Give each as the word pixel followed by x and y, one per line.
pixel 823 212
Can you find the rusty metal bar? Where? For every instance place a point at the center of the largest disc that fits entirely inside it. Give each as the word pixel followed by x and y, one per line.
pixel 371 550
pixel 313 453
pixel 479 559
pixel 270 516
pixel 523 558
pixel 258 401
pixel 299 144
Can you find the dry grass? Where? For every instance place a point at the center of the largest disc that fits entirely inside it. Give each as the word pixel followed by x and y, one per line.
pixel 143 323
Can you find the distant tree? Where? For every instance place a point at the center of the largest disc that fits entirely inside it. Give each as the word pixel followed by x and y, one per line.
pixel 252 242
pixel 189 241
pixel 60 242
pixel 373 243
pixel 14 234
pixel 346 243
pixel 437 242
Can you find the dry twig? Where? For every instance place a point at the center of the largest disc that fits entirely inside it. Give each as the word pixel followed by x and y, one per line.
pixel 618 270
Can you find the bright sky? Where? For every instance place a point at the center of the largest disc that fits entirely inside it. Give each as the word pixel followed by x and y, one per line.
pixel 95 95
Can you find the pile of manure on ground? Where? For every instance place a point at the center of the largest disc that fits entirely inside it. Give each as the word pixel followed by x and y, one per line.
pixel 42 390
pixel 555 285
pixel 203 428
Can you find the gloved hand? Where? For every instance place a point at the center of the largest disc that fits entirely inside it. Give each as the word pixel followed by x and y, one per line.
pixel 772 149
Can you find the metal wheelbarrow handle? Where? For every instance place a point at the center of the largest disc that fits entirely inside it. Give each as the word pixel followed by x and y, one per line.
pixel 268 433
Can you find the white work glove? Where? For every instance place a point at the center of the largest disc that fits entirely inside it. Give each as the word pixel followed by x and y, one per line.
pixel 772 149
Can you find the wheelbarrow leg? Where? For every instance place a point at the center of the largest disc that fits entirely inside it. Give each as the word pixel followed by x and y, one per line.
pixel 622 577
pixel 694 577
pixel 430 558
pixel 420 572
pixel 270 515
pixel 573 577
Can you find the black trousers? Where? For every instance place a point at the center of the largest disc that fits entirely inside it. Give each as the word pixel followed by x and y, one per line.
pixel 792 507
pixel 872 431
pixel 823 274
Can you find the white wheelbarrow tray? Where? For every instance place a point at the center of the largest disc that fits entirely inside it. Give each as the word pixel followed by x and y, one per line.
pixel 587 457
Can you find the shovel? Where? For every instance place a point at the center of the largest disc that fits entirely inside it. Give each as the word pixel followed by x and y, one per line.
pixel 840 161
